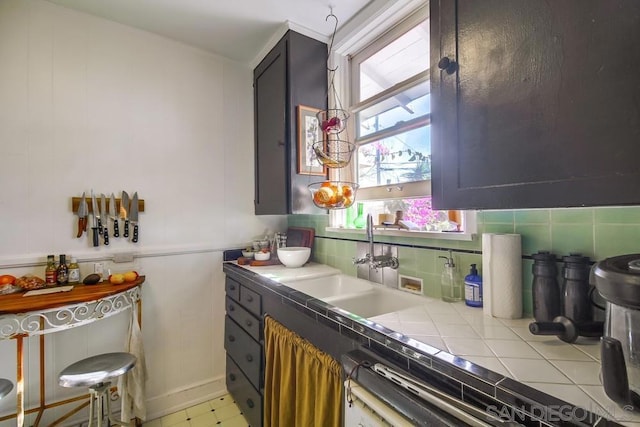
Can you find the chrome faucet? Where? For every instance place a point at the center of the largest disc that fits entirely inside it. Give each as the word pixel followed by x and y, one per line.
pixel 379 261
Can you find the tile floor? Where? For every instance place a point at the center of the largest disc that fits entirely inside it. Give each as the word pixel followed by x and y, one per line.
pixel 220 412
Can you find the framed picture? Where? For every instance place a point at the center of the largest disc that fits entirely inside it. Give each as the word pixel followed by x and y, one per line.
pixel 308 133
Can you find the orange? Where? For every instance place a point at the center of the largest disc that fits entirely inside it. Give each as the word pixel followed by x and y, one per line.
pixel 7 279
pixel 326 184
pixel 346 191
pixel 323 195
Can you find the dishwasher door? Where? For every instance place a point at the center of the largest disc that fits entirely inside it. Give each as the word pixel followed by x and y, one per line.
pixel 363 409
pixel 380 395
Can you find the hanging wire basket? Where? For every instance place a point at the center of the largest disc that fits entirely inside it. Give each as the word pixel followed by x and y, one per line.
pixel 334 152
pixel 332 121
pixel 333 194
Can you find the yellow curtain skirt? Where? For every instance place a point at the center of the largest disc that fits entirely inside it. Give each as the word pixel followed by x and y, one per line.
pixel 303 385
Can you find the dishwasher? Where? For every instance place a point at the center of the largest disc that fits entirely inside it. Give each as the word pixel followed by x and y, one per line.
pixel 378 394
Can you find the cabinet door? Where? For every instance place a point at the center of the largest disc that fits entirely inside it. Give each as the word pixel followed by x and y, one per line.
pixel 543 109
pixel 270 93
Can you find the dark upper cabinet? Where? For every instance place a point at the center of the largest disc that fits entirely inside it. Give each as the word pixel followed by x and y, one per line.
pixel 293 73
pixel 539 105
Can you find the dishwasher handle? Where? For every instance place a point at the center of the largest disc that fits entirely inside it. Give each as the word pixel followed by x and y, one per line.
pixel 457 408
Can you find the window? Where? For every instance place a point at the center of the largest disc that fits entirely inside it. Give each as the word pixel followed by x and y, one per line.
pixel 391 112
pixel 390 104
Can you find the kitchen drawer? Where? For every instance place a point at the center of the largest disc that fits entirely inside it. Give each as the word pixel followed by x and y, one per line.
pixel 246 352
pixel 251 300
pixel 232 288
pixel 246 397
pixel 246 320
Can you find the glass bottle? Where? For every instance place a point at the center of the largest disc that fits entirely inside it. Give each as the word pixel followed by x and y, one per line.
pixel 360 221
pixel 63 271
pixel 451 286
pixel 74 271
pixel 50 274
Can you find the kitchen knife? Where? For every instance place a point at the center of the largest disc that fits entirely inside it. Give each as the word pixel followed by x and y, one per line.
pixel 96 219
pixel 103 214
pixel 82 216
pixel 124 205
pixel 112 215
pixel 133 216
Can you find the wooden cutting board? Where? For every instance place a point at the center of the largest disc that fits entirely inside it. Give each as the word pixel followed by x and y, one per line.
pixel 300 236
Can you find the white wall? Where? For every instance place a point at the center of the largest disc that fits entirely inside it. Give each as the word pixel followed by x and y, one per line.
pixel 87 103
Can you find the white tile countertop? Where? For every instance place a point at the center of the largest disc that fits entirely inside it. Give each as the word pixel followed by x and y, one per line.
pixel 570 372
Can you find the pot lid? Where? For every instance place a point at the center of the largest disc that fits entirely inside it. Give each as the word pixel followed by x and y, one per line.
pixel 618 280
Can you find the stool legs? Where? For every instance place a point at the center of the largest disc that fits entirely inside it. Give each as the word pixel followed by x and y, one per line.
pixel 98 392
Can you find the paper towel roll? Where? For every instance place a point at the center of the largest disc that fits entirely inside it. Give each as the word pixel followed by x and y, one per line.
pixel 502 275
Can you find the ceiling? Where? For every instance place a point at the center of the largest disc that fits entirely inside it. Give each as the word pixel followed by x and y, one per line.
pixel 235 29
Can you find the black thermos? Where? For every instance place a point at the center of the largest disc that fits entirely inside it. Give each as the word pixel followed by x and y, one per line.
pixel 577 305
pixel 546 291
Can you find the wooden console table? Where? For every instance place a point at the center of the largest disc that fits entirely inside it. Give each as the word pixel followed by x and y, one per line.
pixel 22 317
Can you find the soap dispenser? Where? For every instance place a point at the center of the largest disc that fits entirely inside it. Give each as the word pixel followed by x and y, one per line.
pixel 473 288
pixel 451 286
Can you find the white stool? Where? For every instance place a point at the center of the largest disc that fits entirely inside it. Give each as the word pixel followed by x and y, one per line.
pixel 95 372
pixel 5 387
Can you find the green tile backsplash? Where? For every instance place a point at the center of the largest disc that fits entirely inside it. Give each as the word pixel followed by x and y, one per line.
pixel 595 232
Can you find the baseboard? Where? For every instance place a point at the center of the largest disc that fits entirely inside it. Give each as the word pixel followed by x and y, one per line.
pixel 185 397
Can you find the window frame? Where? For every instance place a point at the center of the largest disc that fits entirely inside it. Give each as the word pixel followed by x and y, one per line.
pixel 395 191
pixel 398 17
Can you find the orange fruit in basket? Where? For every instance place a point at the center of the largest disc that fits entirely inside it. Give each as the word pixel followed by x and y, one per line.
pixel 323 195
pixel 347 191
pixel 348 201
pixel 7 279
pixel 326 184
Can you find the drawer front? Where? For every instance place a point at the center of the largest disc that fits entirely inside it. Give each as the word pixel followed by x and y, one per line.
pixel 252 301
pixel 247 398
pixel 232 288
pixel 244 351
pixel 246 320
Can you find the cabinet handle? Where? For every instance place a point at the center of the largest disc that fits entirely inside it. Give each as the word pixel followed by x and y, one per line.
pixel 232 287
pixel 281 143
pixel 448 65
pixel 249 322
pixel 250 403
pixel 249 298
pixel 232 377
pixel 231 307
pixel 249 358
pixel 232 338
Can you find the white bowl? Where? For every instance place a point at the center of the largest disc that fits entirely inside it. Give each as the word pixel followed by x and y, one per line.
pixel 295 256
pixel 247 254
pixel 262 256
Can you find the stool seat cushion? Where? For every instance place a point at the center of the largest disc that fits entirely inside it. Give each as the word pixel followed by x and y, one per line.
pixel 96 369
pixel 5 387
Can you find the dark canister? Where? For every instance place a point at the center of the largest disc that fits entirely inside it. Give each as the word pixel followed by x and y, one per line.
pixel 546 291
pixel 577 305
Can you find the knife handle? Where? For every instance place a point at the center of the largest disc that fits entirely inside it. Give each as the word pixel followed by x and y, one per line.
pixel 116 228
pixel 126 228
pixel 95 236
pixel 99 225
pixel 105 234
pixel 134 239
pixel 82 225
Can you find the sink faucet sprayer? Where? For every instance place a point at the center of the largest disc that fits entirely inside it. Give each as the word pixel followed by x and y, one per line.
pixel 379 261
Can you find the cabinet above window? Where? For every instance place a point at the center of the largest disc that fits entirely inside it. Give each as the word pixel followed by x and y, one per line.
pixel 539 106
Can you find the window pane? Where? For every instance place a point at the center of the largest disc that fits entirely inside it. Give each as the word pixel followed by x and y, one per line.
pixel 407 105
pixel 419 211
pixel 405 157
pixel 405 57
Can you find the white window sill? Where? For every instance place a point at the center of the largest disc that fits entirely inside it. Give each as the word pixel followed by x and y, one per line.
pixel 440 235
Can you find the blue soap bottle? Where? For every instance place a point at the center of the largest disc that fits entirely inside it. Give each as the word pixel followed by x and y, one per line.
pixel 473 288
